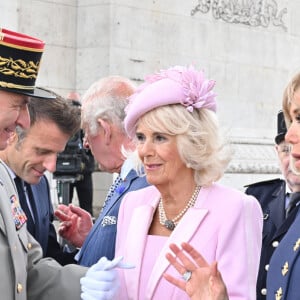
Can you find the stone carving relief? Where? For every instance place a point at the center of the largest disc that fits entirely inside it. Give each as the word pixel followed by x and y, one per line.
pixel 254 13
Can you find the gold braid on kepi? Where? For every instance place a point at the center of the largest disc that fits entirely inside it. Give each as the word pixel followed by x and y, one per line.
pixel 20 57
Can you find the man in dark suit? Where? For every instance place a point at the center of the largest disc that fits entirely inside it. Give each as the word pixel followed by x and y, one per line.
pixel 103 112
pixel 28 155
pixel 274 198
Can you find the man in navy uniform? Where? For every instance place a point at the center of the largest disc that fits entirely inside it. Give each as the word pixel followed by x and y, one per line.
pixel 274 197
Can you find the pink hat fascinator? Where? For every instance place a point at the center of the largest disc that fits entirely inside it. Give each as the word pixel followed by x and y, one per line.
pixel 176 85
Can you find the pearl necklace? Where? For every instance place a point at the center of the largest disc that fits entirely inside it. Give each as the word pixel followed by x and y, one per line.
pixel 170 224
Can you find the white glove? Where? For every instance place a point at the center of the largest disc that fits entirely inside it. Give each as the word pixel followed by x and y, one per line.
pixel 101 280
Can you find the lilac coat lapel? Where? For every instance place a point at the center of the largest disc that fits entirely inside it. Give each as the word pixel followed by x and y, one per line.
pixel 185 229
pixel 138 230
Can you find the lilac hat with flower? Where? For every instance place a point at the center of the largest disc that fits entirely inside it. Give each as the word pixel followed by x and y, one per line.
pixel 177 85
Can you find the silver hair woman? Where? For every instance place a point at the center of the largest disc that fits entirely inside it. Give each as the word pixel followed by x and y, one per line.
pixel 199 142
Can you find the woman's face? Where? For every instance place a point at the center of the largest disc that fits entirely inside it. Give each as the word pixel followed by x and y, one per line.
pixel 293 134
pixel 160 157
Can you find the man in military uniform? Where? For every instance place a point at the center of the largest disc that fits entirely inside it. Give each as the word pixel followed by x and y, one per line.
pixel 24 274
pixel 274 198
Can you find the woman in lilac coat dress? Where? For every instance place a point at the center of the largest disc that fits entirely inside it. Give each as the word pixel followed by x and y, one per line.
pixel 179 147
pixel 180 150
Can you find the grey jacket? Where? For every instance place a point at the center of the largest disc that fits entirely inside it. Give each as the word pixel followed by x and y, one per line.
pixel 24 274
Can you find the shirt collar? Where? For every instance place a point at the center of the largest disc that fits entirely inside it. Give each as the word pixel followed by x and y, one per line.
pixel 126 168
pixel 10 171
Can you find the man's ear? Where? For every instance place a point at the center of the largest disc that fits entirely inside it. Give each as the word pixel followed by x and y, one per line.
pixel 106 127
pixel 12 139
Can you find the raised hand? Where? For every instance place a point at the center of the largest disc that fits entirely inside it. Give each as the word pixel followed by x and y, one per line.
pixel 203 282
pixel 75 224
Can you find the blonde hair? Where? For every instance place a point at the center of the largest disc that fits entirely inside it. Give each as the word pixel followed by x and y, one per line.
pixel 199 142
pixel 288 96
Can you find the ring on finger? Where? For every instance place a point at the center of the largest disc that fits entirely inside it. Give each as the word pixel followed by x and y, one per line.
pixel 187 275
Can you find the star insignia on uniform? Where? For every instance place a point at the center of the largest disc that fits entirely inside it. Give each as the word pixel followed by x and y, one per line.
pixel 285 268
pixel 278 294
pixel 297 245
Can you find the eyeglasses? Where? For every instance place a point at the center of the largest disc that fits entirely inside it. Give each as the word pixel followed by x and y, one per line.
pixel 285 149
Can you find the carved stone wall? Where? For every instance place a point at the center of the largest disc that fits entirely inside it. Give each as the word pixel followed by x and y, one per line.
pixel 253 13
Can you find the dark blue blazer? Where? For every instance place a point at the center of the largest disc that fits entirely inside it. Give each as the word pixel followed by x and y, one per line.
pixel 271 195
pixel 284 271
pixel 43 229
pixel 102 237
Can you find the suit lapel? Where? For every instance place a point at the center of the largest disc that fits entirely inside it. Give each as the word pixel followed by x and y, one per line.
pixel 124 186
pixel 277 207
pixel 30 213
pixel 6 193
pixel 121 190
pixel 35 208
pixel 2 196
